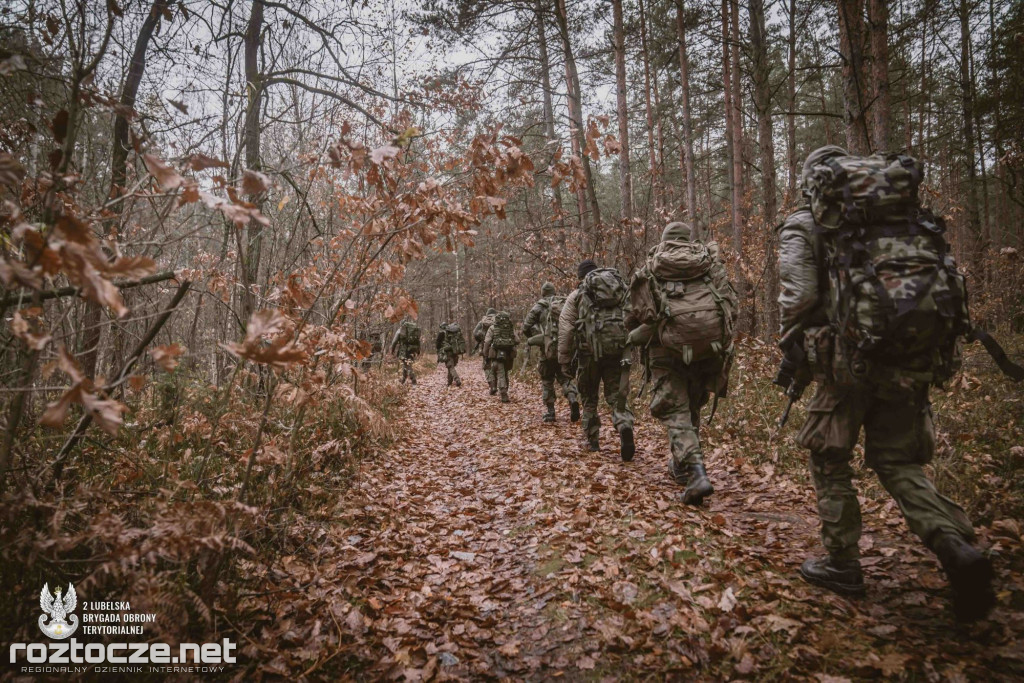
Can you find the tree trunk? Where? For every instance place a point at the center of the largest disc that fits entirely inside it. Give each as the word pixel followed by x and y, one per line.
pixel 851 47
pixel 684 81
pixel 651 149
pixel 576 121
pixel 791 164
pixel 549 109
pixel 746 317
pixel 727 95
pixel 254 90
pixel 970 152
pixel 92 323
pixel 625 177
pixel 763 107
pixel 881 110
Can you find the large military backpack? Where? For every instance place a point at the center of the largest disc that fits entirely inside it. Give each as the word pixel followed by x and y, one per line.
pixel 676 293
pixel 895 295
pixel 454 338
pixel 409 337
pixel 600 326
pixel 484 325
pixel 503 336
pixel 549 325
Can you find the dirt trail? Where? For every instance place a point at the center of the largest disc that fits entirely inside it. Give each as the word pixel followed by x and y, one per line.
pixel 488 544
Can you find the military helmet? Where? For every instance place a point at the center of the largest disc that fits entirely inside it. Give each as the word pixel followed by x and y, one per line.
pixel 547 289
pixel 817 156
pixel 585 266
pixel 677 231
pixel 491 311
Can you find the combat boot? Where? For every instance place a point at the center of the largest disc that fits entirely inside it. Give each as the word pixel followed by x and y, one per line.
pixel 970 575
pixel 840 577
pixel 504 397
pixel 550 415
pixel 494 391
pixel 574 411
pixel 458 382
pixel 698 486
pixel 627 447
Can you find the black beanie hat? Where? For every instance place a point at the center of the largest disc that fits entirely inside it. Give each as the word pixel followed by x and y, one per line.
pixel 585 267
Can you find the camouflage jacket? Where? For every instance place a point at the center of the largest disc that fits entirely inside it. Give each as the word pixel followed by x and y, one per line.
pixel 480 331
pixel 531 323
pixel 398 346
pixel 567 327
pixel 802 283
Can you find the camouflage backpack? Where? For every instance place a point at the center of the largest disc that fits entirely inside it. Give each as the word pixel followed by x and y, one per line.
pixel 601 326
pixel 410 336
pixel 675 291
pixel 484 325
pixel 895 295
pixel 549 325
pixel 503 336
pixel 454 339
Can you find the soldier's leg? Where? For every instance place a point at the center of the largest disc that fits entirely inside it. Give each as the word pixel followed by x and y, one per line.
pixel 489 373
pixel 502 368
pixel 405 369
pixel 830 433
pixel 412 372
pixel 899 439
pixel 453 374
pixel 670 403
pixel 568 385
pixel 547 383
pixel 616 393
pixel 589 383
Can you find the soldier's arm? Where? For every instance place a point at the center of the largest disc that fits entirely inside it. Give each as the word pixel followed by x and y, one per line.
pixel 799 298
pixel 488 338
pixel 394 340
pixel 532 320
pixel 567 328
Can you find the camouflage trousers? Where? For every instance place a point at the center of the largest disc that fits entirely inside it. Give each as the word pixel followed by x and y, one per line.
pixel 592 373
pixel 450 361
pixel 678 392
pixel 497 375
pixel 407 370
pixel 489 373
pixel 899 437
pixel 550 372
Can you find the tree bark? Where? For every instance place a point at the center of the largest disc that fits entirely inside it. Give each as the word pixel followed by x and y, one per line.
pixel 254 90
pixel 684 82
pixel 549 109
pixel 881 110
pixel 763 107
pixel 791 172
pixel 746 315
pixel 625 177
pixel 651 149
pixel 851 47
pixel 576 121
pixel 970 151
pixel 727 95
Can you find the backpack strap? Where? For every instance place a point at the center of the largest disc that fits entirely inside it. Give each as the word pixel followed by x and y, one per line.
pixel 1008 367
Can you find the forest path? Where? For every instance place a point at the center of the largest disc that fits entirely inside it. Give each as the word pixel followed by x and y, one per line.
pixel 487 544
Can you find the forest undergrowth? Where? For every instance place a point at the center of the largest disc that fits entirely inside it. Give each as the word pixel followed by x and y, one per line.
pixel 300 564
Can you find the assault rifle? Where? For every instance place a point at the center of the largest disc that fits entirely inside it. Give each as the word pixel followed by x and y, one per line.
pixel 793 375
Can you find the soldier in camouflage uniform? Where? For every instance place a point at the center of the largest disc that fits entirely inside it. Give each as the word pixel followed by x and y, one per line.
pixel 501 360
pixel 405 355
pixel 548 368
pixel 899 435
pixel 447 355
pixel 479 333
pixel 592 372
pixel 679 390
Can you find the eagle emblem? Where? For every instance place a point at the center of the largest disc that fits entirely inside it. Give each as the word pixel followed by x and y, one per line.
pixel 58 610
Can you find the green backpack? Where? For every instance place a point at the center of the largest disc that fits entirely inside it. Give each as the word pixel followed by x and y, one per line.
pixel 503 336
pixel 454 338
pixel 601 326
pixel 895 295
pixel 676 293
pixel 549 325
pixel 410 336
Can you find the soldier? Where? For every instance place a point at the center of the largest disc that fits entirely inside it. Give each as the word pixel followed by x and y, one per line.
pixel 889 401
pixel 500 347
pixel 406 347
pixel 450 347
pixel 541 324
pixel 479 333
pixel 592 329
pixel 688 309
